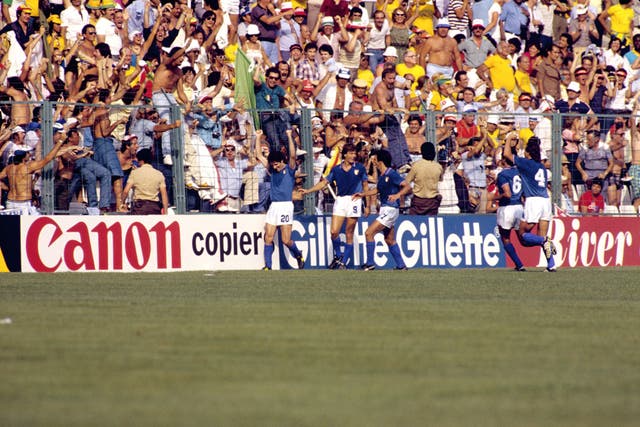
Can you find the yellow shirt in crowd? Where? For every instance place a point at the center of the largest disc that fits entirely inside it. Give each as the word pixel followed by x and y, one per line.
pixel 501 72
pixel 620 20
pixel 417 71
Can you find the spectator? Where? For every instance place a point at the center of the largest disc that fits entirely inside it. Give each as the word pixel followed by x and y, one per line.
pixel 591 202
pixel 377 39
pixel 442 52
pixel 496 71
pixel 266 18
pixel 595 161
pixel 270 97
pixel 383 99
pixel 548 73
pixel 423 179
pixel 149 190
pixel 399 30
pixel 473 166
pixel 19 173
pixel 86 173
pixel 22 28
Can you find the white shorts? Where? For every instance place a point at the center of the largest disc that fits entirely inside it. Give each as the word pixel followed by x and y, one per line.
pixel 388 216
pixel 24 207
pixel 508 217
pixel 537 209
pixel 280 213
pixel 347 207
pixel 231 7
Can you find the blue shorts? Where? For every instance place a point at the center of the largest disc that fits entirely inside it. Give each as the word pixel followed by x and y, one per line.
pixel 105 154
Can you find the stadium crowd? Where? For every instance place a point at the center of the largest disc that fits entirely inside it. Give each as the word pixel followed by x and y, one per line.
pixel 492 71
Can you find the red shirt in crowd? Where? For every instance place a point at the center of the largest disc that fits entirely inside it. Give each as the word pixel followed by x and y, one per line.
pixel 594 204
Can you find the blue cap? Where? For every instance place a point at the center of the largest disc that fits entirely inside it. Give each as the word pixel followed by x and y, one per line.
pixel 33 126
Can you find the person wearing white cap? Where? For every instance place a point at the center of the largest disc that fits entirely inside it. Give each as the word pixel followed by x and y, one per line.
pixel 289 33
pixel 323 34
pixel 476 49
pixel 337 96
pixel 265 16
pixel 439 53
pixel 582 28
pixel 20 176
pixel 573 103
pixel 254 48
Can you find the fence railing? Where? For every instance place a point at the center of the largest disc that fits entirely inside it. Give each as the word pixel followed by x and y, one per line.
pixel 309 129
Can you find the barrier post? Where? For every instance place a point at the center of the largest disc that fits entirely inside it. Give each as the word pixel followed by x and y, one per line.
pixel 177 155
pixel 47 195
pixel 430 128
pixel 307 145
pixel 556 159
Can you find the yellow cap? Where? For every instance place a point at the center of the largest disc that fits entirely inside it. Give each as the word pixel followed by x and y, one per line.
pixel 93 4
pixel 108 4
pixel 54 19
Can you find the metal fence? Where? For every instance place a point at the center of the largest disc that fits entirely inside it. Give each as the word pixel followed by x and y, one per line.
pixel 303 121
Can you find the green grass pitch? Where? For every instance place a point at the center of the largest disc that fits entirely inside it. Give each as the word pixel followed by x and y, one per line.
pixel 322 348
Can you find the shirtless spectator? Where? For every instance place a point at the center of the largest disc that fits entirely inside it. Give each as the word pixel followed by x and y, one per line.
pixel 20 110
pixel 86 50
pixel 360 119
pixel 105 153
pixel 384 100
pixel 20 176
pixel 167 80
pixel 415 137
pixel 86 172
pixel 440 53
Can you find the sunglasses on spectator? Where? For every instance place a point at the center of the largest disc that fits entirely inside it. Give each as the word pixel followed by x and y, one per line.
pixel 229 149
pixel 273 77
pixel 92 33
pixel 399 14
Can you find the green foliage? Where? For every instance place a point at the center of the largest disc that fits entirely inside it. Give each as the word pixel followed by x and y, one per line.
pixel 381 348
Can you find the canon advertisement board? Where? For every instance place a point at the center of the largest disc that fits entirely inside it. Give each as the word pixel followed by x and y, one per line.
pixel 234 242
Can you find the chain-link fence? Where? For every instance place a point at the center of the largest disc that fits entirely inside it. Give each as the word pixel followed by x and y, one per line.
pixel 212 158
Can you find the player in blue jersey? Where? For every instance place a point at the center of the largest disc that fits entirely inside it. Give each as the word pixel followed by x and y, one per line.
pixel 389 185
pixel 349 177
pixel 280 213
pixel 537 205
pixel 510 211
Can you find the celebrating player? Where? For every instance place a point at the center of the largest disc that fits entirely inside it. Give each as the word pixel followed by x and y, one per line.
pixel 389 184
pixel 510 211
pixel 349 177
pixel 537 206
pixel 280 213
